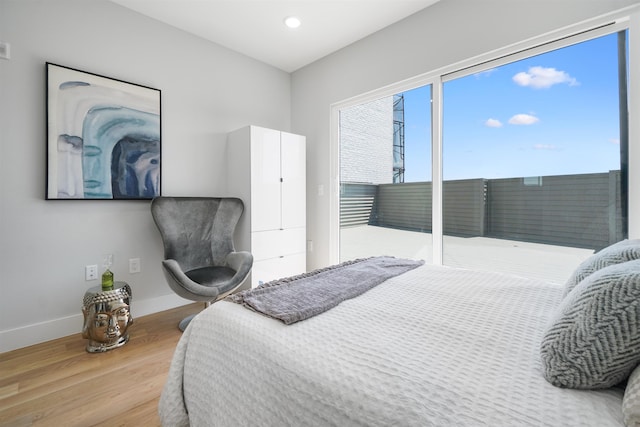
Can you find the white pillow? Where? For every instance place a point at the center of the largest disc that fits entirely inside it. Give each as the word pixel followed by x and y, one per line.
pixel 623 251
pixel 593 341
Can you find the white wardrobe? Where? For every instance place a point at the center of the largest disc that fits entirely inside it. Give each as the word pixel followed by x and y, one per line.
pixel 267 170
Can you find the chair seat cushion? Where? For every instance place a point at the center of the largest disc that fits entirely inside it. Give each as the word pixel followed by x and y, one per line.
pixel 219 277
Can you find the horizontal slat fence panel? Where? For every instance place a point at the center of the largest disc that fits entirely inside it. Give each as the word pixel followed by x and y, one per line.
pixel 571 210
pixel 464 204
pixel 356 202
pixel 405 206
pixel 355 210
pixel 408 206
pixel 581 210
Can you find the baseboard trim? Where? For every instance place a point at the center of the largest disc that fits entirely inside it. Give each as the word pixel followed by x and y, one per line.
pixel 37 333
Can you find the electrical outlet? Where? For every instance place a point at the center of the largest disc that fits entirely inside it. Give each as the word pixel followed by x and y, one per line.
pixel 90 272
pixel 134 265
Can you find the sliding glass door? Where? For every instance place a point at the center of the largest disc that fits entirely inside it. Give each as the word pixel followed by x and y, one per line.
pixel 385 177
pixel 517 164
pixel 534 160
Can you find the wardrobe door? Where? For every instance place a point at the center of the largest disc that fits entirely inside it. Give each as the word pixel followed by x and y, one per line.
pixel 293 166
pixel 265 179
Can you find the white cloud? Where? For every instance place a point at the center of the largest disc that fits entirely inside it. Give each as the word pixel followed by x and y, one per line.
pixel 615 141
pixel 545 147
pixel 493 123
pixel 485 73
pixel 523 119
pixel 543 78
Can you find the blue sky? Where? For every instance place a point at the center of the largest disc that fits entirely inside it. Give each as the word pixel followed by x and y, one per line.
pixel 552 114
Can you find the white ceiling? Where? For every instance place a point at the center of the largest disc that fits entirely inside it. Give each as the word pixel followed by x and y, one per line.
pixel 256 29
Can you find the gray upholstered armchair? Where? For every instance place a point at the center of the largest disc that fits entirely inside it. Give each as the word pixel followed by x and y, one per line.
pixel 200 262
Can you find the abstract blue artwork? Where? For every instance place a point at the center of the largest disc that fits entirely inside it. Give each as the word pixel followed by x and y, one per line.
pixel 103 137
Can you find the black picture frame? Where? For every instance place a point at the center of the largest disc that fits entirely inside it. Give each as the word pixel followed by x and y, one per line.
pixel 104 137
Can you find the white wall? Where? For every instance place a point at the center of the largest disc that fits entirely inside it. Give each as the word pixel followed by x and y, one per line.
pixel 207 91
pixel 366 142
pixel 444 34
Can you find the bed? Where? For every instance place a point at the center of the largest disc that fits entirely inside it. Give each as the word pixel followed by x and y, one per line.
pixel 434 346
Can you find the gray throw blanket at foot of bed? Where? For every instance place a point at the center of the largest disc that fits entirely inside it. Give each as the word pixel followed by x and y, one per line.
pixel 300 297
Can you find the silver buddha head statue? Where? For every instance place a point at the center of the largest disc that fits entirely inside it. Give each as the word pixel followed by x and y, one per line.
pixel 106 319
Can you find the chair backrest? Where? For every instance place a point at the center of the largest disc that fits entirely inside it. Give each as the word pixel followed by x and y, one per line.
pixel 197 231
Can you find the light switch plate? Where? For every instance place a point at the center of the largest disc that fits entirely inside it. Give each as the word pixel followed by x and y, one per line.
pixel 5 50
pixel 134 265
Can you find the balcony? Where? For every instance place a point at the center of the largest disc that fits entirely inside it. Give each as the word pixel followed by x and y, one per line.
pixel 535 260
pixel 540 227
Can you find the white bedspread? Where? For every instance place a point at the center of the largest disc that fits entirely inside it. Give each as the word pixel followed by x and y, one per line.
pixel 436 346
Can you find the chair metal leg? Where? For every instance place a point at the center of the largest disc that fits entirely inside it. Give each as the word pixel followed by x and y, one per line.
pixel 185 322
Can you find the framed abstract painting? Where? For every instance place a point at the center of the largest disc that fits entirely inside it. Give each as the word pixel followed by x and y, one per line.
pixel 103 137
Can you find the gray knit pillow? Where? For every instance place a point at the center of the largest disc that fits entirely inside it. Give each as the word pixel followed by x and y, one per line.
pixel 623 251
pixel 594 338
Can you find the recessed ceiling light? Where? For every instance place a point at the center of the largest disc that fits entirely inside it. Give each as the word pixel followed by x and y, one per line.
pixel 292 22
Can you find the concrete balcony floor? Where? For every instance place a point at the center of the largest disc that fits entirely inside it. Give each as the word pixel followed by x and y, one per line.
pixel 534 260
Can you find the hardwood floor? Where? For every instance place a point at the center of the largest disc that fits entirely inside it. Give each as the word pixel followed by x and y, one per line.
pixel 58 383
